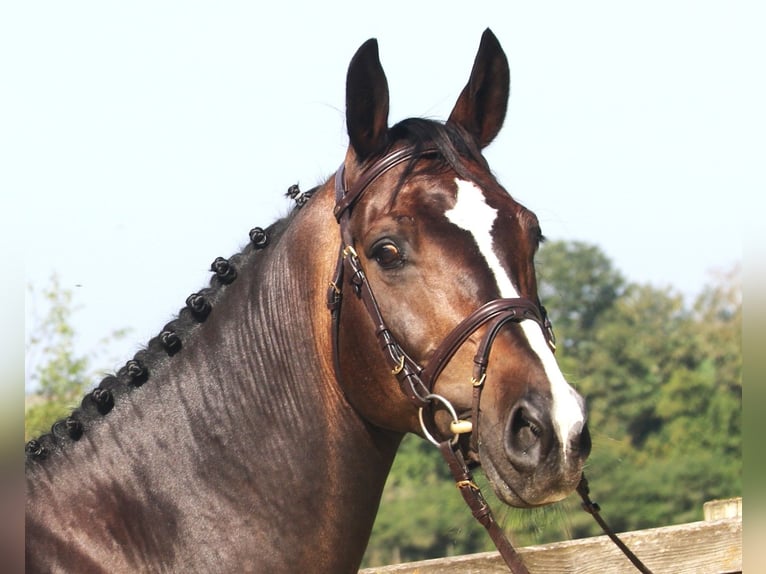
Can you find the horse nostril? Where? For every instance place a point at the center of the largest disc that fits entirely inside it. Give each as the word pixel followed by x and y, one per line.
pixel 526 430
pixel 582 443
pixel 526 434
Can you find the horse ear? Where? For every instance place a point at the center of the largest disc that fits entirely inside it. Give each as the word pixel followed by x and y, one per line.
pixel 482 104
pixel 366 101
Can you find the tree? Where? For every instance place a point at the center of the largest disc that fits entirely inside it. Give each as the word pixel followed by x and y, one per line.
pixel 664 389
pixel 578 283
pixel 57 377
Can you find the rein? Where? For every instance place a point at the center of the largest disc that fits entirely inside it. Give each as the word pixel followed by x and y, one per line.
pixel 417 382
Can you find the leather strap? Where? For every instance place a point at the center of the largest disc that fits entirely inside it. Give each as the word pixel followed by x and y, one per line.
pixel 479 507
pixel 346 198
pixel 406 371
pixel 516 309
pixel 594 510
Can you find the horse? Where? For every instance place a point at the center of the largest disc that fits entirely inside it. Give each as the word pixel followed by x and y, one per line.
pixel 255 432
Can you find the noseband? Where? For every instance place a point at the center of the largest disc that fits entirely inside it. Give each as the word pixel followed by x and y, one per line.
pixel 417 382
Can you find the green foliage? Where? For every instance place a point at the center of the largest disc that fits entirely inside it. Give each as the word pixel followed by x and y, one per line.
pixel 578 284
pixel 57 376
pixel 665 396
pixel 663 382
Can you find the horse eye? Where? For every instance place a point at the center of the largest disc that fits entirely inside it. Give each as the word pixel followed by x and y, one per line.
pixel 387 255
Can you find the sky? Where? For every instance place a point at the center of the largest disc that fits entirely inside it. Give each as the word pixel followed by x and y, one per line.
pixel 147 138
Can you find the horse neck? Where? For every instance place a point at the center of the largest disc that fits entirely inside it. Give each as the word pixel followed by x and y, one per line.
pixel 247 418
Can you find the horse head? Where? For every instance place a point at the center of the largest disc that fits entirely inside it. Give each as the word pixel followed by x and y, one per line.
pixel 442 261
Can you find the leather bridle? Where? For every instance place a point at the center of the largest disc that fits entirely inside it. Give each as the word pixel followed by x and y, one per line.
pixel 417 382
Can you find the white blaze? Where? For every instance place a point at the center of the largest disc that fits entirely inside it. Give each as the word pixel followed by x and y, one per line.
pixel 472 214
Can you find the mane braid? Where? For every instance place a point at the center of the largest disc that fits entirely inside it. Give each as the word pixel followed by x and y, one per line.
pixel 167 344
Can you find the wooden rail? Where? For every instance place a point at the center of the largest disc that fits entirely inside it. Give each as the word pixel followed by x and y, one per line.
pixel 711 546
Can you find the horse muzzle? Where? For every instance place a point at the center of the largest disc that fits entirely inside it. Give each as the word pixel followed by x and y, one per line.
pixel 536 460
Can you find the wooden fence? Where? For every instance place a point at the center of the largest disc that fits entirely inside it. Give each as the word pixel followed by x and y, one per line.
pixel 710 546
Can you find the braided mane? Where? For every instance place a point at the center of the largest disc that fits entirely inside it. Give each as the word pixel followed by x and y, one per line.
pixel 138 370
